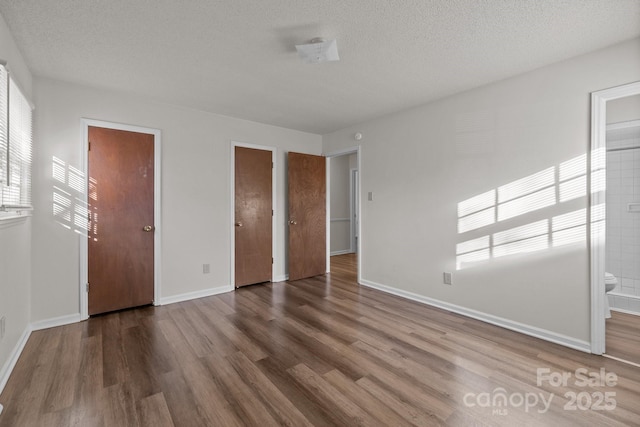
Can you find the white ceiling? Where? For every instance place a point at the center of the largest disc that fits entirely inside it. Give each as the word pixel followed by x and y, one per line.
pixel 237 57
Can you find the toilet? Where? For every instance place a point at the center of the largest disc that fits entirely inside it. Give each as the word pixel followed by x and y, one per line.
pixel 610 282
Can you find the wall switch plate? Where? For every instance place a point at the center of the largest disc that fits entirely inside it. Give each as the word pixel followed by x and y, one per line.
pixel 3 321
pixel 447 278
pixel 206 268
pixel 370 196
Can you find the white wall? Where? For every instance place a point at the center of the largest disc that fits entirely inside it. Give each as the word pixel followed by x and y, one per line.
pixel 623 109
pixel 340 204
pixel 421 163
pixel 15 237
pixel 195 189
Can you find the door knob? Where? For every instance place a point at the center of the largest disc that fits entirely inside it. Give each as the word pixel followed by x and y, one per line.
pixel 148 228
pixel 292 222
pixel 238 224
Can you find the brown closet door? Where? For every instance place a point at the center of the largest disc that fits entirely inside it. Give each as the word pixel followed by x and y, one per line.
pixel 121 225
pixel 307 215
pixel 253 216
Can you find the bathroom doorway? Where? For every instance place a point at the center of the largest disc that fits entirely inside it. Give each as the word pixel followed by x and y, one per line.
pixel 622 243
pixel 615 223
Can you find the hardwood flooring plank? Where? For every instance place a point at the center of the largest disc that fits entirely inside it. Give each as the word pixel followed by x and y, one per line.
pixel 181 401
pixel 376 408
pixel 240 340
pixel 154 412
pixel 60 385
pixel 623 336
pixel 281 378
pixel 120 406
pixel 401 406
pixel 279 406
pixel 340 408
pixel 249 409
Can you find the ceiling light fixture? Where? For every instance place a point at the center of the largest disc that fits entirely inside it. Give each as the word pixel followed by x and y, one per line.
pixel 318 50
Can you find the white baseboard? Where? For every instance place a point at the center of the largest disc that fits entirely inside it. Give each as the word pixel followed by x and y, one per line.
pixel 197 294
pixel 622 310
pixel 485 317
pixel 13 358
pixel 56 321
pixel 282 278
pixel 343 252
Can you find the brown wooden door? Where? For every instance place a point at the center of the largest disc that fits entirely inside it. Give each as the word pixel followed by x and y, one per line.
pixel 253 216
pixel 307 215
pixel 121 260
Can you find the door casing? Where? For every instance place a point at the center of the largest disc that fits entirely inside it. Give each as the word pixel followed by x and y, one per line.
pixel 232 204
pixel 597 234
pixel 157 250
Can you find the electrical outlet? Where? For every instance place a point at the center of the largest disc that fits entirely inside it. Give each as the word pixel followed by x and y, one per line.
pixel 2 326
pixel 206 268
pixel 447 278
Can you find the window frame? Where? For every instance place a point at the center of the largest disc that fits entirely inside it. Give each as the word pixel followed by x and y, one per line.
pixel 17 161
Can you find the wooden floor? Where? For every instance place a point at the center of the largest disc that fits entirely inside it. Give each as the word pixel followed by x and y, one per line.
pixel 321 351
pixel 623 336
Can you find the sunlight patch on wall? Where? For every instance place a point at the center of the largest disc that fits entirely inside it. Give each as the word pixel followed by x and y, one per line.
pixel 472 251
pixel 529 203
pixel 527 238
pixel 540 190
pixel 69 210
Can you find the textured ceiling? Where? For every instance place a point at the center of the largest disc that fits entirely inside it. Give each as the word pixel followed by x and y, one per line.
pixel 237 57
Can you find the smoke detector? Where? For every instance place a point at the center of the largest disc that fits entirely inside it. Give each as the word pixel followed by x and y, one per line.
pixel 318 50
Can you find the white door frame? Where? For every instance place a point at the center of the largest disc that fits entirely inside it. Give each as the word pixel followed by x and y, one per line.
pixel 354 181
pixel 350 150
pixel 597 206
pixel 232 215
pixel 157 211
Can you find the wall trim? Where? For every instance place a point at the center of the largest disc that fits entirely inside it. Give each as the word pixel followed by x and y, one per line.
pixel 56 321
pixel 623 310
pixel 5 373
pixel 485 317
pixel 342 252
pixel 281 278
pixel 196 294
pixel 621 294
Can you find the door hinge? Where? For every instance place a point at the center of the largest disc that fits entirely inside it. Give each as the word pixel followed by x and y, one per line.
pixel 87 286
pixel 271 212
pixel 271 260
pixel 271 165
pixel 89 149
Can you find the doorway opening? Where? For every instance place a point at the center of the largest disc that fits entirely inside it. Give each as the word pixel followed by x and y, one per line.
pixel 343 208
pixel 600 224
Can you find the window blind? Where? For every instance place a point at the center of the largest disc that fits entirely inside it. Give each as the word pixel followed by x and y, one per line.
pixel 4 99
pixel 15 146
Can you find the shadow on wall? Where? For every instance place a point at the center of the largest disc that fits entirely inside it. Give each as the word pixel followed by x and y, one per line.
pixel 549 187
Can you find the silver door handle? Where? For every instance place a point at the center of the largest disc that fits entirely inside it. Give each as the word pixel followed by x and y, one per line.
pixel 238 224
pixel 148 228
pixel 292 222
